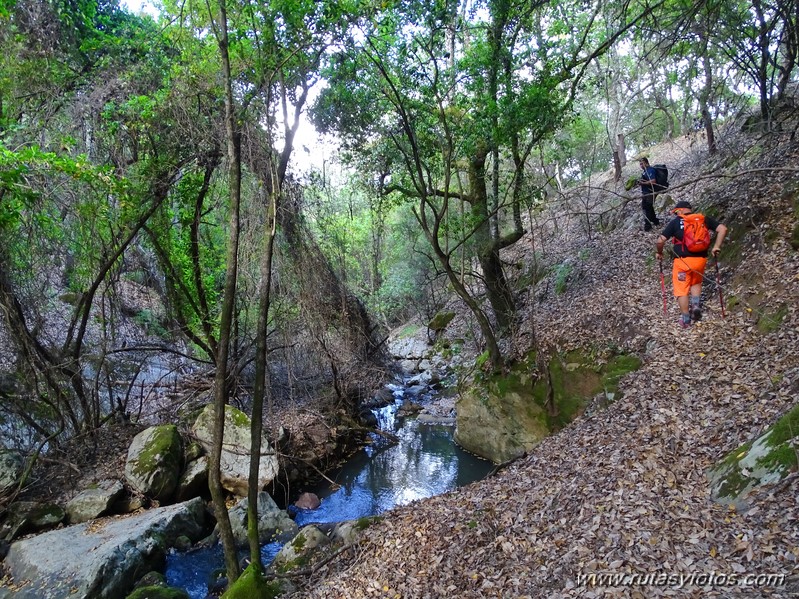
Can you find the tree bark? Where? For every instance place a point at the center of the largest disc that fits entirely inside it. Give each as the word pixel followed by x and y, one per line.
pixel 221 382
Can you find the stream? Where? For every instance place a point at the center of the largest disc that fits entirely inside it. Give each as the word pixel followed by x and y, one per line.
pixel 424 462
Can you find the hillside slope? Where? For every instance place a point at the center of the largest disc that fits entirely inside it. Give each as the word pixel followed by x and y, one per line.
pixel 623 490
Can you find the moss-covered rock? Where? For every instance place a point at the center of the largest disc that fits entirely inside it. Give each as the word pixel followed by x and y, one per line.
pixel 29 516
pixel 151 579
pixel 253 585
pixel 766 460
pixel 440 321
pixel 297 552
pixel 154 461
pixel 158 592
pixel 506 415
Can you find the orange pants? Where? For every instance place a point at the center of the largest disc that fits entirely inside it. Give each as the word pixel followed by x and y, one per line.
pixel 687 272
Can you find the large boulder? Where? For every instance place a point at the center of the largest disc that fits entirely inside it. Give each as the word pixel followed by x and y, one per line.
pixel 235 460
pixel 11 464
pixel 272 521
pixel 499 423
pixel 94 502
pixel 154 461
pixel 99 560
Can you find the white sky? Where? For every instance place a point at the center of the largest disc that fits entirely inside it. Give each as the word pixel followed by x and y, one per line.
pixel 309 150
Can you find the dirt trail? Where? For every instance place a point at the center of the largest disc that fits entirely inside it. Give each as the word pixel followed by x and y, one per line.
pixel 624 491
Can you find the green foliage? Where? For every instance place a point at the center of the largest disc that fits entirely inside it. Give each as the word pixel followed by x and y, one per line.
pixel 771 321
pixel 150 323
pixel 32 216
pixel 562 272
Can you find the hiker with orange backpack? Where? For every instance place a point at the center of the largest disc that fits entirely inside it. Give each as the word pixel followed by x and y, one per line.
pixel 690 233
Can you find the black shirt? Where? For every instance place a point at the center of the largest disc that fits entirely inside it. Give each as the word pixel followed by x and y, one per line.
pixel 675 228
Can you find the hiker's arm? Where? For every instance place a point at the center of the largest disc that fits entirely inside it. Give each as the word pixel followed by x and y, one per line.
pixel 660 243
pixel 721 232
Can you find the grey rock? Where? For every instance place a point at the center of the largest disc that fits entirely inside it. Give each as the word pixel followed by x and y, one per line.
pixel 272 521
pixel 347 532
pixel 193 451
pixel 101 560
pixel 235 460
pixel 761 462
pixel 29 516
pixel 409 366
pixel 408 348
pixel 94 502
pixel 194 480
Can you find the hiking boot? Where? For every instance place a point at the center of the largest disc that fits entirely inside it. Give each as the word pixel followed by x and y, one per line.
pixel 696 314
pixel 684 324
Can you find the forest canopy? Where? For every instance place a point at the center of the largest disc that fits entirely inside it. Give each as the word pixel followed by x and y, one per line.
pixel 161 152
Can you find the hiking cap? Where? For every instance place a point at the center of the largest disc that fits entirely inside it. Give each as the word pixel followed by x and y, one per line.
pixel 682 204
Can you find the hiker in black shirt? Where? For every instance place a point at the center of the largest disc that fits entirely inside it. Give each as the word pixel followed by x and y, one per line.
pixel 689 266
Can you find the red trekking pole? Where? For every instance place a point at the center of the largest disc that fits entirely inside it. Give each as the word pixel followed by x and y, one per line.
pixel 663 287
pixel 718 285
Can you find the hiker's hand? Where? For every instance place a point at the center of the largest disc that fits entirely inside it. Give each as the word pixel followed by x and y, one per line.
pixel 716 251
pixel 659 256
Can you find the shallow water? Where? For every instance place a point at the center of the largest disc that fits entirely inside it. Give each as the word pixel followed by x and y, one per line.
pixel 192 570
pixel 425 462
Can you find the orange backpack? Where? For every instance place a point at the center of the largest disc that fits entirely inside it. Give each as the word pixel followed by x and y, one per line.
pixel 695 234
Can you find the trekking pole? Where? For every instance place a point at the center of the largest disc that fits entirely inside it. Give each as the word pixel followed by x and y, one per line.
pixel 663 287
pixel 718 284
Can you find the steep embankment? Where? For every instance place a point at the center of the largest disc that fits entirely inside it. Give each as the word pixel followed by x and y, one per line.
pixel 624 490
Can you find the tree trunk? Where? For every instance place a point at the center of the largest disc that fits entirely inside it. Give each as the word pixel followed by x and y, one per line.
pixel 616 165
pixel 497 288
pixel 259 387
pixel 221 382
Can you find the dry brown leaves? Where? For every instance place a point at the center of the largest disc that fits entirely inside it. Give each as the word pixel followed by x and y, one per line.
pixel 623 491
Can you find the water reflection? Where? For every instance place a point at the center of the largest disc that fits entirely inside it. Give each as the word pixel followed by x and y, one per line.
pixel 192 571
pixel 425 462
